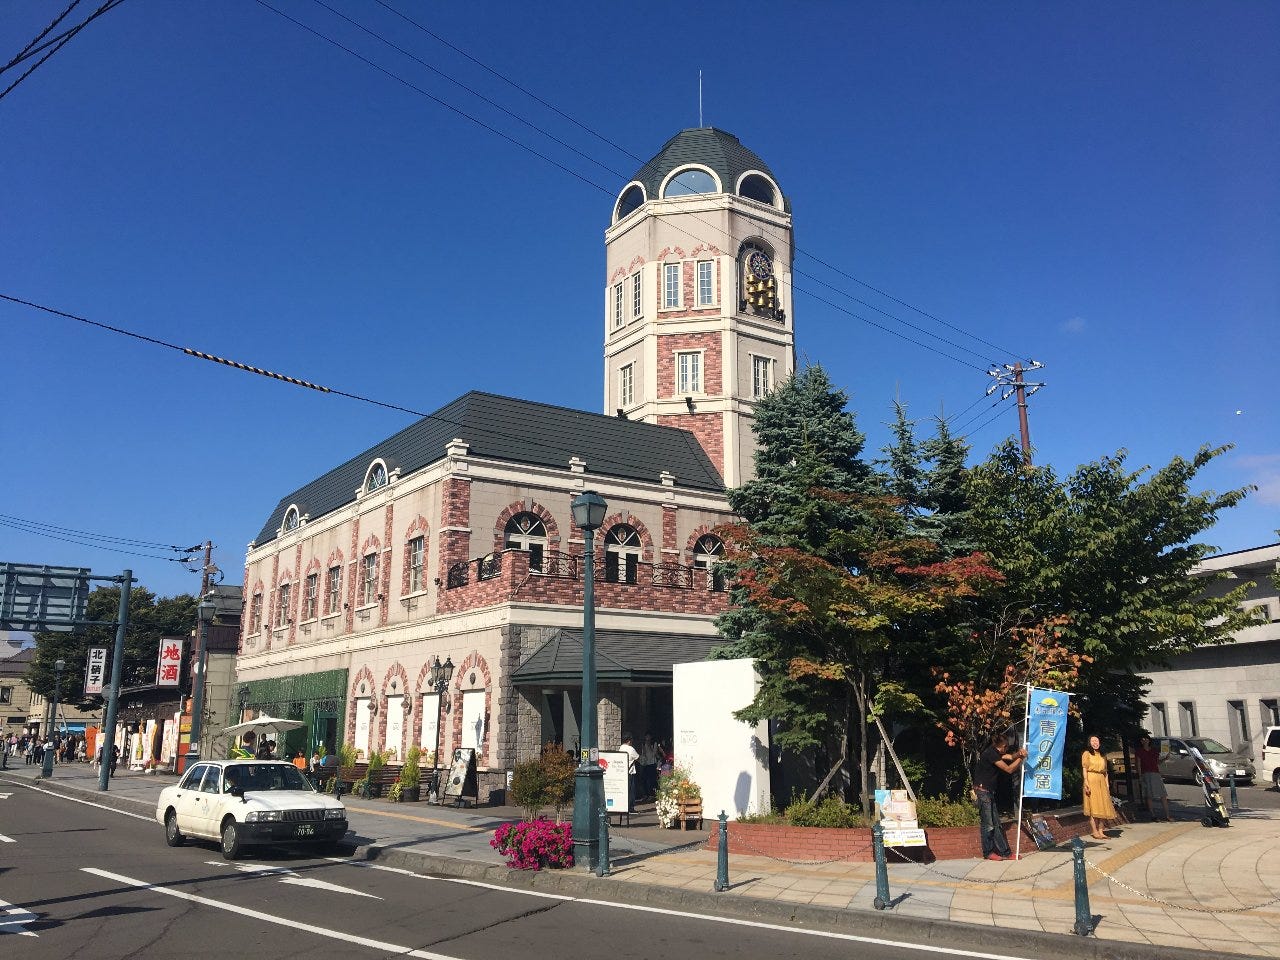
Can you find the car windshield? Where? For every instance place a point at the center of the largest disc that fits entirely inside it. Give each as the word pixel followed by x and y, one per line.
pixel 1207 745
pixel 264 776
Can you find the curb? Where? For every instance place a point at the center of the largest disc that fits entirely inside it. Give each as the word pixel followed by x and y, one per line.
pixel 919 931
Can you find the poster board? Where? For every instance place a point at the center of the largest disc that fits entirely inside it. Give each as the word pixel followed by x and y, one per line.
pixel 462 775
pixel 1038 827
pixel 897 811
pixel 614 763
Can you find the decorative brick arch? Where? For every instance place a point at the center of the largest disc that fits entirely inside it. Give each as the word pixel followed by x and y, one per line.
pixel 671 253
pixel 286 576
pixel 698 534
pixel 624 516
pixel 312 567
pixel 709 248
pixel 526 506
pixel 473 662
pixel 365 675
pixel 394 672
pixel 335 558
pixel 371 545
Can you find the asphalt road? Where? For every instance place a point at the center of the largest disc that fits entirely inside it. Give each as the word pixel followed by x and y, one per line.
pixel 80 881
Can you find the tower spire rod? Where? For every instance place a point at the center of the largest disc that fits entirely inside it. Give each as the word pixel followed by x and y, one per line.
pixel 699 98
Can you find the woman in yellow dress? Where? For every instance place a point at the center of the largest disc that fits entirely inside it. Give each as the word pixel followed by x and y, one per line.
pixel 1097 791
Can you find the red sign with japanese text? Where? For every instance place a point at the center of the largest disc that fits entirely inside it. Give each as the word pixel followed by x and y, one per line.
pixel 169 664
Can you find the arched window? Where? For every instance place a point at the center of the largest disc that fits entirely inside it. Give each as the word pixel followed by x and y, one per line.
pixel 291 519
pixel 756 187
pixel 690 181
pixel 526 531
pixel 376 478
pixel 707 554
pixel 630 201
pixel 622 551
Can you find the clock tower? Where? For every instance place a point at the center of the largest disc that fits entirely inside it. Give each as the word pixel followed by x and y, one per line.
pixel 697 296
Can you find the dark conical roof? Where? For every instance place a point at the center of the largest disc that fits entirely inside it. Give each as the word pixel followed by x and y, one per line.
pixel 715 149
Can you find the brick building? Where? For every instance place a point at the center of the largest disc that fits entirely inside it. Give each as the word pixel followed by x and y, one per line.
pixel 454 538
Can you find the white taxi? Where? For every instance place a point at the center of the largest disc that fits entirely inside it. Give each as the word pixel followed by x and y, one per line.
pixel 244 802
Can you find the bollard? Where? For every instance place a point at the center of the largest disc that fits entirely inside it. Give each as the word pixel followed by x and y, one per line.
pixel 722 855
pixel 1235 801
pixel 602 859
pixel 1084 916
pixel 881 902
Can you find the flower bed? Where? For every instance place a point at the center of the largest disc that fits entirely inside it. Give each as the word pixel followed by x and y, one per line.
pixel 817 844
pixel 534 844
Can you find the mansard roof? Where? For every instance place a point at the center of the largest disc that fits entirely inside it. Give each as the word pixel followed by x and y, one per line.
pixel 518 432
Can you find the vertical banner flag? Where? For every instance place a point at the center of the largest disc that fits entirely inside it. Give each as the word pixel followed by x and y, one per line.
pixel 1046 737
pixel 170 662
pixel 95 670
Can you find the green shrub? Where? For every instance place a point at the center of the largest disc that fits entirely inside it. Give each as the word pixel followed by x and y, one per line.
pixel 377 761
pixel 529 787
pixel 558 769
pixel 830 812
pixel 943 812
pixel 411 772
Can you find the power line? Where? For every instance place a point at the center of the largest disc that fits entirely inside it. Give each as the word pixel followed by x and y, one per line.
pixel 95 546
pixel 645 164
pixel 985 423
pixel 100 536
pixel 40 36
pixel 609 193
pixel 54 44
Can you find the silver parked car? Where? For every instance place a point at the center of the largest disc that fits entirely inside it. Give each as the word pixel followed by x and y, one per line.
pixel 1177 763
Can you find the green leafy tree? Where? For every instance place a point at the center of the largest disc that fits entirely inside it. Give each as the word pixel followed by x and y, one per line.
pixel 1110 551
pixel 150 618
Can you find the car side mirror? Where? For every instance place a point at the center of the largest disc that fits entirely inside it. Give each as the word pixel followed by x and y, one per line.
pixel 1182 753
pixel 237 791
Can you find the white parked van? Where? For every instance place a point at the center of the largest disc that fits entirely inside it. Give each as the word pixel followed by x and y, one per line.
pixel 1270 765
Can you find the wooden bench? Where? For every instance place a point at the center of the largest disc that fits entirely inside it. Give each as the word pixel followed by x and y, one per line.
pixel 380 780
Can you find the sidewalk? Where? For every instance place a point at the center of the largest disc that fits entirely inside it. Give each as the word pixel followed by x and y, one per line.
pixel 1213 881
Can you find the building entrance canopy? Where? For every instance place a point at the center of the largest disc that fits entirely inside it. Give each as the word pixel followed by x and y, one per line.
pixel 621 657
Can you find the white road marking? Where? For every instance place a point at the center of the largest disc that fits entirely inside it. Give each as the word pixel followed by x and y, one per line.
pixel 5 796
pixel 271 918
pixel 4 839
pixel 90 803
pixel 289 876
pixel 758 924
pixel 13 918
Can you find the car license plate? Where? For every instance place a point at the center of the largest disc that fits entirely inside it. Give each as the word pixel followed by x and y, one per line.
pixel 1241 773
pixel 305 830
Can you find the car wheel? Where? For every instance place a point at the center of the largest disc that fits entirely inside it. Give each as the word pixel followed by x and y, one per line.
pixel 1199 778
pixel 172 835
pixel 230 840
pixel 1275 778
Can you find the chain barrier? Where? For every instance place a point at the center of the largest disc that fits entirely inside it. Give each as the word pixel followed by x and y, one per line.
pixel 977 880
pixel 738 841
pixel 1178 906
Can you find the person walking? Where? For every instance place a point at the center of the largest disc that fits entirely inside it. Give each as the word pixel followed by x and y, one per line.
pixel 648 768
pixel 993 761
pixel 1152 782
pixel 1097 788
pixel 30 752
pixel 633 761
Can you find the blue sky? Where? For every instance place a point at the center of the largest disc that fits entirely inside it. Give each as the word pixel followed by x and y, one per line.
pixel 1091 185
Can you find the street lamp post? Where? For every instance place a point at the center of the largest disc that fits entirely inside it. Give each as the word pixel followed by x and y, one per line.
pixel 588 781
pixel 204 612
pixel 46 768
pixel 438 680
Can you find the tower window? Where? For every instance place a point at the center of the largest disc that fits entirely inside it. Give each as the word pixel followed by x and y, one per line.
pixel 291 519
pixel 622 549
pixel 617 304
pixel 706 556
pixel 627 385
pixel 691 181
pixel 376 478
pixel 417 555
pixel 526 531
pixel 671 285
pixel 630 201
pixel 756 187
pixel 706 292
pixel 689 372
pixel 761 376
pixel 637 304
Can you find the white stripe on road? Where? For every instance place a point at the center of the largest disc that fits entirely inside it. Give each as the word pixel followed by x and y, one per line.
pixel 21 916
pixel 90 803
pixel 4 839
pixel 270 918
pixel 758 924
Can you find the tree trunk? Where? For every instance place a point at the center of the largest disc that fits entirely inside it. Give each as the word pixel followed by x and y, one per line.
pixel 840 760
pixel 860 691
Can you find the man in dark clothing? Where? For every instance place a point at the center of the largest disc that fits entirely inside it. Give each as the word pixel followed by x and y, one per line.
pixel 993 761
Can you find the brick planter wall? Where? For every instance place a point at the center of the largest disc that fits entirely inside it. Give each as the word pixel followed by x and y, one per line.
pixel 822 844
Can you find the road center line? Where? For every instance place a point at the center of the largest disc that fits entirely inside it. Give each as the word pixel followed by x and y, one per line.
pixel 88 803
pixel 269 918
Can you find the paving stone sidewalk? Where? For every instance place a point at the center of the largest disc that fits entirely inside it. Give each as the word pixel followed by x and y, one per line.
pixel 1158 884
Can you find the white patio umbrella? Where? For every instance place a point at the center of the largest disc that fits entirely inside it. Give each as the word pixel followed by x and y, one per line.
pixel 262 724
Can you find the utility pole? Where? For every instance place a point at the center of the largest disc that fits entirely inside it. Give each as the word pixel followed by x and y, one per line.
pixel 1010 377
pixel 207 569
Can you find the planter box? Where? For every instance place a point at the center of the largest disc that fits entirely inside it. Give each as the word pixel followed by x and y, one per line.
pixel 410 794
pixel 689 810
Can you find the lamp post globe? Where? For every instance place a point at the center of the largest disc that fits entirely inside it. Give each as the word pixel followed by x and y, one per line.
pixel 588 784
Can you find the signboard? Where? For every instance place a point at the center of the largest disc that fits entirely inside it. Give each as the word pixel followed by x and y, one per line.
pixel 34 597
pixel 904 838
pixel 614 763
pixel 897 811
pixel 95 670
pixel 169 663
pixel 1046 738
pixel 462 774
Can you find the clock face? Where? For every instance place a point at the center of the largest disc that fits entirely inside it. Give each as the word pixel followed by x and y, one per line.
pixel 760 265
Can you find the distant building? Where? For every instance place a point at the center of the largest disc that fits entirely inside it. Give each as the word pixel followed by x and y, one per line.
pixel 453 540
pixel 1229 692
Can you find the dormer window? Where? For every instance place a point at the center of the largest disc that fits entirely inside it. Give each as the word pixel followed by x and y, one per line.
pixel 755 187
pixel 689 181
pixel 376 478
pixel 631 200
pixel 291 519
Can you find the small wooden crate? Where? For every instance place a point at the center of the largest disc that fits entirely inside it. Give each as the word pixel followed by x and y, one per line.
pixel 690 810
